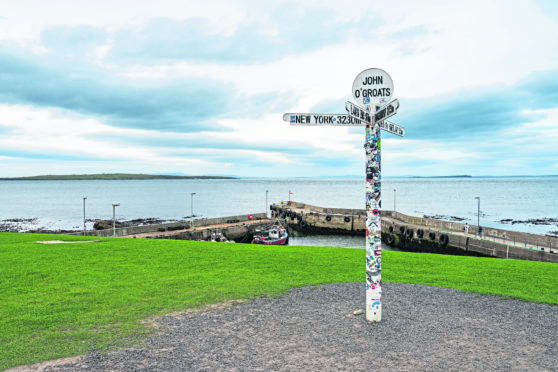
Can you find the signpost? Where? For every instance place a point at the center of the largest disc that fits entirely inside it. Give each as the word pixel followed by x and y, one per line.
pixel 358 112
pixel 388 110
pixel 372 88
pixel 342 120
pixel 392 128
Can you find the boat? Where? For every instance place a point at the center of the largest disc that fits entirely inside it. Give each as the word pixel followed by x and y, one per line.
pixel 219 237
pixel 274 235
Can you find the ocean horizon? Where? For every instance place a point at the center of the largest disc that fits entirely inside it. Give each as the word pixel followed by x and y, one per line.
pixel 505 202
pixel 232 176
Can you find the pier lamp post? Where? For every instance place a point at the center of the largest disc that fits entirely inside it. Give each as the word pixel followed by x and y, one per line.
pixel 114 205
pixel 478 211
pixel 84 228
pixel 192 209
pixel 266 206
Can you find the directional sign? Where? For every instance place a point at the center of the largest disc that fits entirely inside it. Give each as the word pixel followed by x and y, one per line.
pixel 388 110
pixel 373 87
pixel 358 112
pixel 321 119
pixel 393 128
pixel 340 120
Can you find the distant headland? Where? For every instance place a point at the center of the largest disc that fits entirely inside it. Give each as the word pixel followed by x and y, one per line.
pixel 456 176
pixel 114 176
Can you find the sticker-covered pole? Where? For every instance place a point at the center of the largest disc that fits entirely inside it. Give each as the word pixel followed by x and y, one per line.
pixel 373 224
pixel 373 87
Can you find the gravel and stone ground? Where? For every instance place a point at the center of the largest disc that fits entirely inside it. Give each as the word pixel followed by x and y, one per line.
pixel 313 328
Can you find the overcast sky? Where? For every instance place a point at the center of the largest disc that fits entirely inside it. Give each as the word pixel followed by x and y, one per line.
pixel 200 87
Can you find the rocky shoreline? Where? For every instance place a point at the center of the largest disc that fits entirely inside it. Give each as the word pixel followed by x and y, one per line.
pixel 445 218
pixel 533 221
pixel 23 224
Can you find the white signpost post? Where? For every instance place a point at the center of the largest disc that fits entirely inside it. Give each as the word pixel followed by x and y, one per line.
pixel 374 87
pixel 371 88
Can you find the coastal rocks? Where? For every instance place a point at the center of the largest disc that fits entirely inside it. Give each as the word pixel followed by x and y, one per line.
pixel 445 218
pixel 105 224
pixel 532 221
pixel 32 225
pixel 17 224
pixel 535 221
pixel 144 221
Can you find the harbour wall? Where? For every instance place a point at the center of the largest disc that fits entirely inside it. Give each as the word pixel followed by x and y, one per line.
pixel 240 232
pixel 314 219
pixel 495 243
pixel 164 229
pixel 431 240
pixel 518 237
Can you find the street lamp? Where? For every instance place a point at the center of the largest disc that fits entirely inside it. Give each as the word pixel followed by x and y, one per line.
pixel 266 206
pixel 114 205
pixel 192 209
pixel 478 212
pixel 84 228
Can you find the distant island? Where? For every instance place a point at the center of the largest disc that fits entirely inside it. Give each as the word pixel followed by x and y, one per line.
pixel 457 176
pixel 114 176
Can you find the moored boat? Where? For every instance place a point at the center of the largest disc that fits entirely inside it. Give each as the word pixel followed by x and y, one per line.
pixel 219 237
pixel 276 235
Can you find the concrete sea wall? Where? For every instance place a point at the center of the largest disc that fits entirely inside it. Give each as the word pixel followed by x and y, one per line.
pixel 173 226
pixel 310 218
pixel 410 233
pixel 495 243
pixel 405 237
pixel 520 238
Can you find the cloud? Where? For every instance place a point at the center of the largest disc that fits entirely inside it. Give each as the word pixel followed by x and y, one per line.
pixel 290 30
pixel 60 135
pixel 22 81
pixel 73 41
pixel 477 113
pixel 40 154
pixel 539 90
pixel 195 88
pixel 188 104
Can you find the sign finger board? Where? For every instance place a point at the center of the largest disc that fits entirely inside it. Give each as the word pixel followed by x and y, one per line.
pixel 342 120
pixel 392 128
pixel 373 86
pixel 358 112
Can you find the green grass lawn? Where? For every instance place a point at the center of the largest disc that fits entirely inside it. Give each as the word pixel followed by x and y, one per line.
pixel 60 300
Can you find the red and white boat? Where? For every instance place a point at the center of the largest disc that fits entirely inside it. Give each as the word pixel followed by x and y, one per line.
pixel 276 235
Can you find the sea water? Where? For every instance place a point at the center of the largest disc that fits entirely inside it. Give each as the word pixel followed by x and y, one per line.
pixel 59 204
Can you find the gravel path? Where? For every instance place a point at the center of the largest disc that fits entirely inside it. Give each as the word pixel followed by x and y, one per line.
pixel 423 329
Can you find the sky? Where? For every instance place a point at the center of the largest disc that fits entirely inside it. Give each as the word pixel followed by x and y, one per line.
pixel 200 87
